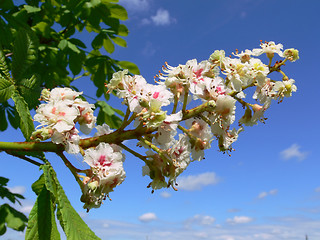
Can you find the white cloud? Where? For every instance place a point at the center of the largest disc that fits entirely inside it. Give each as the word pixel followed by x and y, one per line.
pixel 239 220
pixel 161 18
pixel 200 220
pixel 18 189
pixel 26 209
pixel 196 182
pixel 293 152
pixel 165 194
pixel 135 5
pixel 148 217
pixel 265 194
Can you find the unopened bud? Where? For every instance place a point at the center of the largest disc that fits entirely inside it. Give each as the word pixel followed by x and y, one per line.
pixel 291 54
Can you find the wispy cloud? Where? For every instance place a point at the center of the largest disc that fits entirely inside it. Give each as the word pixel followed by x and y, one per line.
pixel 293 152
pixel 165 194
pixel 18 189
pixel 265 194
pixel 161 18
pixel 197 182
pixel 317 189
pixel 199 220
pixel 239 220
pixel 148 217
pixel 135 5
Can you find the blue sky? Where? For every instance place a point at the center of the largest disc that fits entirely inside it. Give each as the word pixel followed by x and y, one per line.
pixel 269 188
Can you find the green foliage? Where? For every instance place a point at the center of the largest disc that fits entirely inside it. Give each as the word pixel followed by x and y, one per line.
pixel 42 224
pixel 107 115
pixel 51 197
pixel 10 217
pixel 24 53
pixel 26 122
pixel 41 48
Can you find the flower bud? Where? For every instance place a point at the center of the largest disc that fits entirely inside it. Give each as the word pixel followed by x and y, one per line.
pixel 291 54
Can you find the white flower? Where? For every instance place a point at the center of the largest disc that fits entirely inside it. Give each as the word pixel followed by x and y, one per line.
pixel 58 94
pixel 57 115
pixel 107 165
pixel 180 155
pixel 167 130
pixel 270 48
pixel 284 89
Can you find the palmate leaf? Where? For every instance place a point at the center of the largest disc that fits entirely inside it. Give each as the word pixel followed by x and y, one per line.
pixel 24 52
pixel 6 89
pixel 26 123
pixel 42 224
pixel 72 224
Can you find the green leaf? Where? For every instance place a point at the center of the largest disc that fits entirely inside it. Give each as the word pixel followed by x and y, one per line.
pixel 73 47
pixel 43 28
pixel 48 179
pixel 73 225
pixel 123 30
pixel 42 224
pixel 63 44
pixel 77 42
pixel 13 218
pixel 6 89
pixel 118 11
pixel 76 62
pixel 97 42
pixel 38 185
pixel 30 90
pixel 24 52
pixel 133 68
pixel 3 65
pixel 107 115
pixel 3 120
pixel 31 9
pixel 108 45
pixel 26 123
pixel 119 41
pixel 13 118
pixel 6 4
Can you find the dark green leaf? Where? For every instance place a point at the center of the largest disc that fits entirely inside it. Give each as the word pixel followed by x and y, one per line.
pixel 6 89
pixel 77 42
pixel 42 224
pixel 13 118
pixel 98 41
pixel 6 4
pixel 24 52
pixel 3 120
pixel 26 123
pixel 76 62
pixel 3 64
pixel 133 68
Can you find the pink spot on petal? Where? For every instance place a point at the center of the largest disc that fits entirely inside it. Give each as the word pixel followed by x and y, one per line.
pixel 156 95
